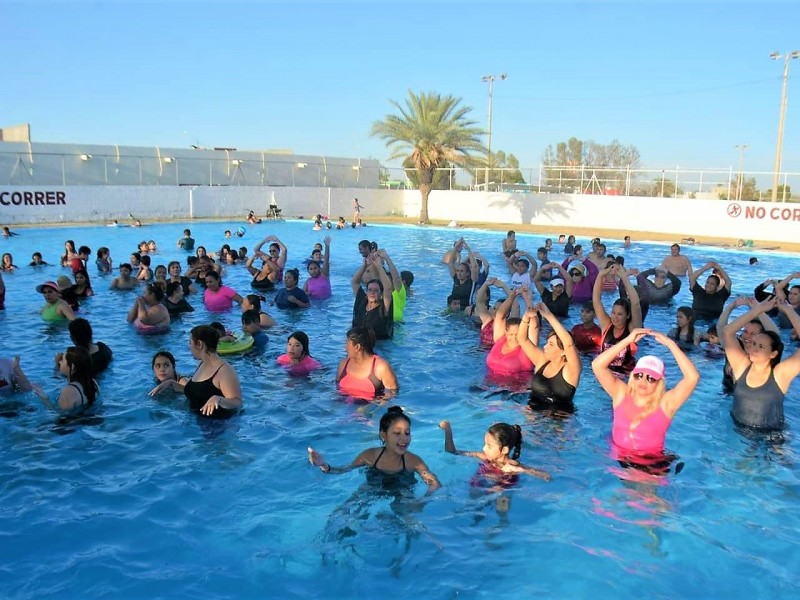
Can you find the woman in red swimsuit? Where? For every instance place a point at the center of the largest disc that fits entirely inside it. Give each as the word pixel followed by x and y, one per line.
pixel 364 374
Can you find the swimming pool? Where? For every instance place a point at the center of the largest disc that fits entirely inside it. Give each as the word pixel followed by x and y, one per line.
pixel 148 500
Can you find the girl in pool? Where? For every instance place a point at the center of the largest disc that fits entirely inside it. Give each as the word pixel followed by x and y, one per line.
pixel 684 332
pixel 761 378
pixel 145 272
pixel 391 459
pixel 174 300
pixel 100 355
pixel 253 302
pixel 54 309
pixel 291 296
pixel 318 284
pixel 104 262
pixel 82 287
pixel 507 357
pixel 364 374
pixel 297 359
pixel 82 390
pixel 218 297
pixel 643 407
pixel 148 314
pixel 214 389
pixel 502 445
pixel 7 264
pixel 174 271
pixel 160 277
pixel 626 315
pixel 164 367
pixel 69 253
pixel 373 308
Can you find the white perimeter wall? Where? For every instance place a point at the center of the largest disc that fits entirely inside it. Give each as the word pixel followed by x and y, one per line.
pixel 682 217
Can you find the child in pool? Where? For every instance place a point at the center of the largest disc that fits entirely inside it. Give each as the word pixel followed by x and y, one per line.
pixel 297 360
pixel 251 325
pixel 709 341
pixel 502 446
pixel 391 459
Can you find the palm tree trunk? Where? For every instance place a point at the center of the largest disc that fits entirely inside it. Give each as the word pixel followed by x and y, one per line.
pixel 425 184
pixel 424 190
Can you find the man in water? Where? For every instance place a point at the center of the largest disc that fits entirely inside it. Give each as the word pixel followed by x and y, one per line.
pixel 676 263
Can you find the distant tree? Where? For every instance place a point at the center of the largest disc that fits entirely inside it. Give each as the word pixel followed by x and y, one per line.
pixel 573 164
pixel 431 130
pixel 768 193
pixel 502 169
pixel 663 188
pixel 749 190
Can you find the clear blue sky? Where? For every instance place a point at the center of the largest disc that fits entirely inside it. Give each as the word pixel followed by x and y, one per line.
pixel 683 81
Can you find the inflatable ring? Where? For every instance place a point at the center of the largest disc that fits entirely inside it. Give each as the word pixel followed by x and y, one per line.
pixel 242 343
pixel 241 231
pixel 143 329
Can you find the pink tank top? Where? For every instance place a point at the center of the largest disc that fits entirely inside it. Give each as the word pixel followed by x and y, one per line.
pixel 648 435
pixel 319 287
pixel 515 361
pixel 304 367
pixel 220 300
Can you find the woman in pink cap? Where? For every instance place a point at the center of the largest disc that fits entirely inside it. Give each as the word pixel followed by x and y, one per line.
pixel 54 309
pixel 644 407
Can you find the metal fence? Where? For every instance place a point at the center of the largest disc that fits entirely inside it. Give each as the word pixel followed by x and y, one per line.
pixel 37 164
pixel 56 164
pixel 724 184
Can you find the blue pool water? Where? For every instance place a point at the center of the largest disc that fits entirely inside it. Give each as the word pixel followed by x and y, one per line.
pixel 148 500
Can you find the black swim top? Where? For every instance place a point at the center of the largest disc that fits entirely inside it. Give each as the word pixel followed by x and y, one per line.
pixel 390 480
pixel 100 359
pixel 262 284
pixel 625 361
pixel 759 407
pixel 551 392
pixel 200 392
pixel 380 320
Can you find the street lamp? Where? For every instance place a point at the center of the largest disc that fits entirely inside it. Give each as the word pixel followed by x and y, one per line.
pixel 779 147
pixel 740 178
pixel 490 80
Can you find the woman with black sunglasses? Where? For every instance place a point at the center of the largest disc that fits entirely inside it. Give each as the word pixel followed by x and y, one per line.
pixel 644 407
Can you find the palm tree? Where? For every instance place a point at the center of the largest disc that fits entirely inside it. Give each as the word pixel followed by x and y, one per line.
pixel 430 130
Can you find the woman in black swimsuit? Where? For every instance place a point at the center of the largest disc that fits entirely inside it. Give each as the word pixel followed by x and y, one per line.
pixel 558 364
pixel 214 389
pixel 391 458
pixel 82 390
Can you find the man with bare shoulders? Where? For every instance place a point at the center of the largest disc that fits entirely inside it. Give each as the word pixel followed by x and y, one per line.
pixel 598 255
pixel 676 263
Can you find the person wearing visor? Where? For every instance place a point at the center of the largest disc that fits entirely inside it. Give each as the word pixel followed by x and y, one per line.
pixel 557 299
pixel 643 406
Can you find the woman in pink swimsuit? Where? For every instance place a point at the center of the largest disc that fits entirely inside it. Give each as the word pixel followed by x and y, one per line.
pixel 644 407
pixel 363 374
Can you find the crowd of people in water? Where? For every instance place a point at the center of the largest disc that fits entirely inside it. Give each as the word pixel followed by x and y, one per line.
pixel 522 332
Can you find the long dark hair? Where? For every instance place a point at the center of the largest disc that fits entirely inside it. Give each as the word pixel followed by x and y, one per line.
pixel 80 371
pixel 206 334
pixel 395 413
pixel 509 436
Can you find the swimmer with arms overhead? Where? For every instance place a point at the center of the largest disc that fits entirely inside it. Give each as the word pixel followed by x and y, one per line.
pixel 392 458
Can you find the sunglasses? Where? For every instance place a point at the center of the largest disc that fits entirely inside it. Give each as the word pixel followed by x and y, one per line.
pixel 650 378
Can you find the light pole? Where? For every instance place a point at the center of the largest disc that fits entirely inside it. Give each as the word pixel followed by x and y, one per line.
pixel 490 80
pixel 740 178
pixel 777 168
